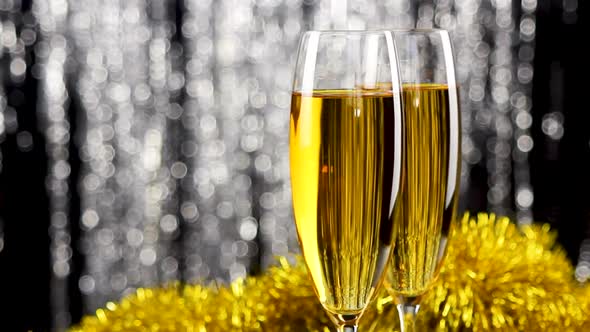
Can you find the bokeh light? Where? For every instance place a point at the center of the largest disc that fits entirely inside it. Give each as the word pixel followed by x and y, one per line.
pixel 182 129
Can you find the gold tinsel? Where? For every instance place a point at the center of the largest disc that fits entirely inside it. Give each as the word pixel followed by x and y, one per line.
pixel 496 276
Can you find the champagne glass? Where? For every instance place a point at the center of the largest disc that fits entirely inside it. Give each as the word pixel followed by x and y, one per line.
pixel 345 148
pixel 426 206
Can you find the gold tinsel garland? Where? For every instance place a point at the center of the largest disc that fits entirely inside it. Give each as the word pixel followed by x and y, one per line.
pixel 496 276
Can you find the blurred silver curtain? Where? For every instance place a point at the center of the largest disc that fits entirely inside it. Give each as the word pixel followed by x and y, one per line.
pixel 183 131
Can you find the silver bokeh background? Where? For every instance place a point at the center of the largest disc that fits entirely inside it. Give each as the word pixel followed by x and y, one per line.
pixel 183 124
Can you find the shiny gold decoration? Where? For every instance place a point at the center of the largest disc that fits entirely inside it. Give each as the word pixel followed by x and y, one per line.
pixel 497 276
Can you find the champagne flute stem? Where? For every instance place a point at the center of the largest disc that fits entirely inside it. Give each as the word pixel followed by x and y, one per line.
pixel 345 323
pixel 347 328
pixel 407 316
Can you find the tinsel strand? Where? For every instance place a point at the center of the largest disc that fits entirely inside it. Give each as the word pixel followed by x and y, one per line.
pixel 496 276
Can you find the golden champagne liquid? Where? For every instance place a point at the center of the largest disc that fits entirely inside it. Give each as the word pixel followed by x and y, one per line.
pixel 426 203
pixel 341 152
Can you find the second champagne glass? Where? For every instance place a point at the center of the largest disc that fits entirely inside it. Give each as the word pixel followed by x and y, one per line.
pixel 345 148
pixel 426 207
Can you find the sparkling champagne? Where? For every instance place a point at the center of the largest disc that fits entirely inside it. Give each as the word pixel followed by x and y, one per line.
pixel 427 200
pixel 342 145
